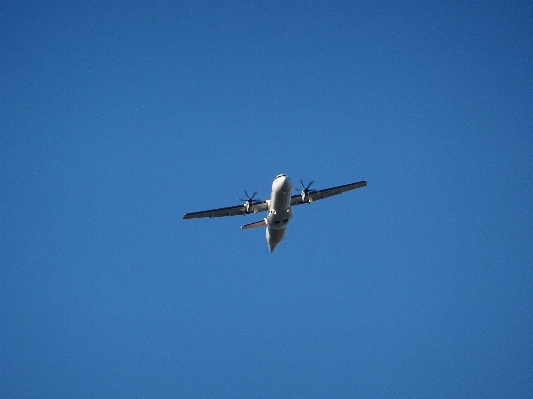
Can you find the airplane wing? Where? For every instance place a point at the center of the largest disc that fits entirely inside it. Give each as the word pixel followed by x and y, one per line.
pixel 229 211
pixel 328 192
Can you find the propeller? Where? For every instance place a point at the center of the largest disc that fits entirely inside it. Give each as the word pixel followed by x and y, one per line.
pixel 305 190
pixel 248 197
pixel 249 201
pixel 304 187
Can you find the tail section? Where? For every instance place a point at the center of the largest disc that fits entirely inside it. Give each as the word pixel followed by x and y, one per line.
pixel 255 224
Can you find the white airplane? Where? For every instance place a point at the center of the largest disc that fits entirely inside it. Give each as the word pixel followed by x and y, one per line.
pixel 278 206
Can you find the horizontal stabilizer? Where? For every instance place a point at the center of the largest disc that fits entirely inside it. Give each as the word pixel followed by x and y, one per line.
pixel 255 224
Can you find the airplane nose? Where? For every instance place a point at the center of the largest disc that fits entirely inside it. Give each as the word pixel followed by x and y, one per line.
pixel 282 182
pixel 286 182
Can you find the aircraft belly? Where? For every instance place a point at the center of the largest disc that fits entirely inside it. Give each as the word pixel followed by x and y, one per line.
pixel 280 207
pixel 280 212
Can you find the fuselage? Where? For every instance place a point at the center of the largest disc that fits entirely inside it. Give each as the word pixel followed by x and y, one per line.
pixel 279 211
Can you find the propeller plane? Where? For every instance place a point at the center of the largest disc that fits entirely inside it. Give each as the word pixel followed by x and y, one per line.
pixel 278 207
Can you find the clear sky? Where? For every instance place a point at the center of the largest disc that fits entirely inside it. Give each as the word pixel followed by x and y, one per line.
pixel 119 117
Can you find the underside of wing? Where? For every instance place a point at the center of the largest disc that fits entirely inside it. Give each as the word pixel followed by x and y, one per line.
pixel 228 211
pixel 328 192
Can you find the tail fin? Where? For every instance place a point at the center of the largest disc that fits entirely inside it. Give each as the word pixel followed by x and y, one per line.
pixel 255 224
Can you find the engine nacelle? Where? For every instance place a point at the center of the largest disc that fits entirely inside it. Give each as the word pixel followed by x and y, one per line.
pixel 248 205
pixel 305 191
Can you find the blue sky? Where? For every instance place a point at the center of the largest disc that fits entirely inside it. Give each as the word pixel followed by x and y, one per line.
pixel 117 118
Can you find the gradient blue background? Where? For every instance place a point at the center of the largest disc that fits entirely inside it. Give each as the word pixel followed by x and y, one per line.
pixel 117 118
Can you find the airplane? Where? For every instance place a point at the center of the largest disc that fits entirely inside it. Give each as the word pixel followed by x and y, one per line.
pixel 278 206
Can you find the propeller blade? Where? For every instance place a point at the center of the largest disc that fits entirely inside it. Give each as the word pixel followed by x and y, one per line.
pixel 248 198
pixel 304 187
